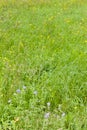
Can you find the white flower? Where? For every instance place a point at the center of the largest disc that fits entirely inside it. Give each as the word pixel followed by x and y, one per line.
pixel 35 92
pixel 9 101
pixel 48 104
pixel 63 114
pixel 24 87
pixel 47 115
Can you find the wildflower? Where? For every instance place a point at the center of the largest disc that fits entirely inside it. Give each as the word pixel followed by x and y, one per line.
pixel 35 92
pixel 63 114
pixel 24 87
pixel 16 119
pixel 47 115
pixel 18 90
pixel 48 104
pixel 85 41
pixel 9 101
pixel 59 107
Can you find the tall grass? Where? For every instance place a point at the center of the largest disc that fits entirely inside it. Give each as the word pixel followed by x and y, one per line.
pixel 43 65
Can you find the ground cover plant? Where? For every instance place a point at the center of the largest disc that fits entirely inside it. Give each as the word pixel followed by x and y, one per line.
pixel 43 65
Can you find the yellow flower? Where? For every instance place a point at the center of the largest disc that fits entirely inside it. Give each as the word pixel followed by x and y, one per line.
pixel 16 119
pixel 67 21
pixel 85 41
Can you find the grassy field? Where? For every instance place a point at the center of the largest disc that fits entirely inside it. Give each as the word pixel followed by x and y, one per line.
pixel 43 64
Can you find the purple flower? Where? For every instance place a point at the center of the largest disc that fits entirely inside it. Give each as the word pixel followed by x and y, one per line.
pixel 47 115
pixel 18 90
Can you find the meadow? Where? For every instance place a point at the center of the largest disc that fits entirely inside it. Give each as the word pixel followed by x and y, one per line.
pixel 43 64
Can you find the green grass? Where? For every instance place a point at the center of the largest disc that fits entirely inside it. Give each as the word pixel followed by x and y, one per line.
pixel 43 46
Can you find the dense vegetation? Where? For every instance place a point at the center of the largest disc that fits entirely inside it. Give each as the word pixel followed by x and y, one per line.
pixel 43 65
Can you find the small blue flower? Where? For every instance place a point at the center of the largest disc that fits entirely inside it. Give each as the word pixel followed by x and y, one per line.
pixel 18 90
